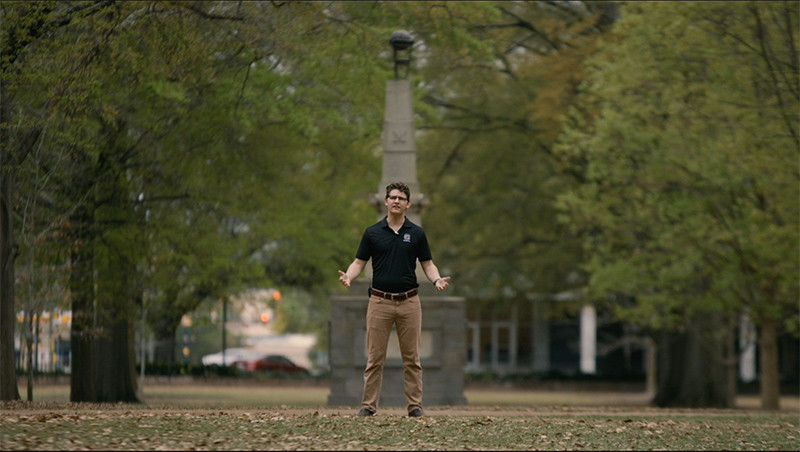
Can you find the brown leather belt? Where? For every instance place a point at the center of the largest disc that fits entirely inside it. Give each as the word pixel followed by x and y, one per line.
pixel 393 296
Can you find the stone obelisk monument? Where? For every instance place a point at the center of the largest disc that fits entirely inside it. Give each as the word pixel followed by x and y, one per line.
pixel 443 344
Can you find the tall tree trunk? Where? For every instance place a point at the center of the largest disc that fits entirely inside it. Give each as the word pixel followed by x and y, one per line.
pixel 690 373
pixel 731 362
pixel 115 361
pixel 29 351
pixel 164 352
pixel 669 344
pixel 770 381
pixel 8 369
pixel 115 378
pixel 82 294
pixel 115 371
pixel 164 321
pixel 9 162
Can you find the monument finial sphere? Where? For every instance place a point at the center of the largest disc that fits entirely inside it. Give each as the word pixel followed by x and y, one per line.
pixel 401 40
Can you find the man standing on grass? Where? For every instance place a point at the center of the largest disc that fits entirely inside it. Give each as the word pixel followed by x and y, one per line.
pixel 394 244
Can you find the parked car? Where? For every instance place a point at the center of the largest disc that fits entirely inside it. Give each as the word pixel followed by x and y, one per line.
pixel 276 364
pixel 232 356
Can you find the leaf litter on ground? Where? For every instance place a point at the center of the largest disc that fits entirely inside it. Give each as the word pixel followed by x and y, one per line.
pixel 66 426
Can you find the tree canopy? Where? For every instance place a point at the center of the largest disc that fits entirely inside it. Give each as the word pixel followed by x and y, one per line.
pixel 690 160
pixel 156 155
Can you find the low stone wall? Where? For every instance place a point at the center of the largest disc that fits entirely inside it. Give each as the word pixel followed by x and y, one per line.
pixel 441 351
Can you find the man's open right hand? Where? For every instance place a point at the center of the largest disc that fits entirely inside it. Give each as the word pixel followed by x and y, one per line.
pixel 344 279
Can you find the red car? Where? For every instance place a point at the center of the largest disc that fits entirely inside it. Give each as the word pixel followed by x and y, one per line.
pixel 273 364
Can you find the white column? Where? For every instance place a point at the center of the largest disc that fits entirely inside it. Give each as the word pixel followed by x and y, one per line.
pixel 495 355
pixel 747 349
pixel 588 339
pixel 475 329
pixel 541 337
pixel 512 338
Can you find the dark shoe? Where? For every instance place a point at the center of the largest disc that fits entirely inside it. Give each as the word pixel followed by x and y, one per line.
pixel 416 412
pixel 366 412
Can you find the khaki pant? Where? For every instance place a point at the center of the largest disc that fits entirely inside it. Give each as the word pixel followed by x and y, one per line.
pixel 406 315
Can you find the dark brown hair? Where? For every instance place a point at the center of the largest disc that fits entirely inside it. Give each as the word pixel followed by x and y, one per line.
pixel 398 186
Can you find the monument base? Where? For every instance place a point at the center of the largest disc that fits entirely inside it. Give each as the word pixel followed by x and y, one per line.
pixel 442 350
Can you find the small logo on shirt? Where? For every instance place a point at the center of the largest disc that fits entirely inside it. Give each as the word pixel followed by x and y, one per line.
pixel 407 237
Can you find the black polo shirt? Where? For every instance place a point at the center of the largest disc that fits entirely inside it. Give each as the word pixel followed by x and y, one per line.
pixel 394 255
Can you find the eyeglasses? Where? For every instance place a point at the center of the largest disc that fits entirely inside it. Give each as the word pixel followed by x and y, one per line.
pixel 397 198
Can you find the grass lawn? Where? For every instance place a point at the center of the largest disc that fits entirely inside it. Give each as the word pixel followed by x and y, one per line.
pixel 271 395
pixel 284 417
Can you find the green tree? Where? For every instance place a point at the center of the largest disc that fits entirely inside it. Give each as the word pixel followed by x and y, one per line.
pixel 23 26
pixel 187 154
pixel 491 116
pixel 689 152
